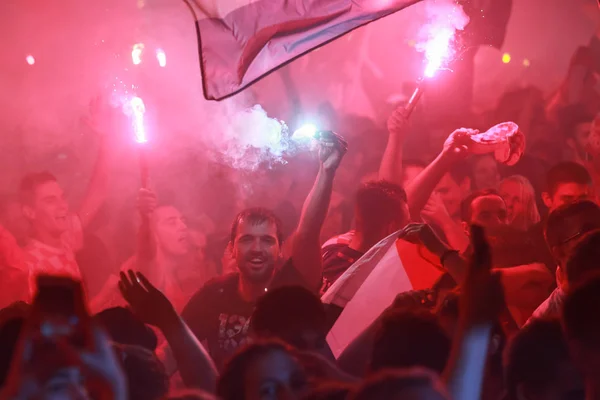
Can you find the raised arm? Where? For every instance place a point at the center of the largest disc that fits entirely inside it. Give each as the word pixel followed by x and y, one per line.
pixel 391 169
pixel 449 257
pixel 482 300
pixel 435 213
pixel 420 189
pixel 146 244
pixel 104 121
pixel 306 249
pixel 148 303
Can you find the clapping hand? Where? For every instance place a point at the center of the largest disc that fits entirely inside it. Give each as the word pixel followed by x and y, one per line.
pixel 146 301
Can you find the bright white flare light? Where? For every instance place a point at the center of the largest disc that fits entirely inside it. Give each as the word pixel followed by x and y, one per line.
pixel 30 60
pixel 306 131
pixel 437 50
pixel 436 38
pixel 161 57
pixel 136 53
pixel 137 110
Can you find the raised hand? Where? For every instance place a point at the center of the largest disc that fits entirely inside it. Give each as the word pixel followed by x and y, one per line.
pixel 398 121
pixel 435 210
pixel 146 301
pixel 482 298
pixel 146 201
pixel 332 148
pixel 458 142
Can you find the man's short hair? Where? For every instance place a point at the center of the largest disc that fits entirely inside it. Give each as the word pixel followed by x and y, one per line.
pixel 410 339
pixel 584 259
pixel 257 216
pixel 580 313
pixel 30 182
pixel 378 203
pixel 571 221
pixel 534 356
pixel 566 172
pixel 466 211
pixel 288 308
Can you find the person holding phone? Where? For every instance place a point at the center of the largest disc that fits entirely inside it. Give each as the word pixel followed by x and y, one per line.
pixel 61 354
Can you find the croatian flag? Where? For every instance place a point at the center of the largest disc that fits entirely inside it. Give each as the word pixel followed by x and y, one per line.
pixel 240 41
pixel 371 284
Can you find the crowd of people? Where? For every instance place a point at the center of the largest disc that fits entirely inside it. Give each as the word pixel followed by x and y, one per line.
pixel 502 264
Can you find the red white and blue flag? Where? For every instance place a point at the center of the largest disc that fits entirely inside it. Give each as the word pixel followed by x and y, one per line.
pixel 240 41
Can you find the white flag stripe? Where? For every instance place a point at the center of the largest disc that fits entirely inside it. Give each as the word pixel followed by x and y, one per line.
pixel 387 279
pixel 346 286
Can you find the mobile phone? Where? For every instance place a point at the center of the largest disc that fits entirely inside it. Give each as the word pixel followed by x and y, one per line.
pixel 60 310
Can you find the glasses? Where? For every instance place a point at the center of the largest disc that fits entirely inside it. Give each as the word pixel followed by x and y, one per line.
pixel 568 239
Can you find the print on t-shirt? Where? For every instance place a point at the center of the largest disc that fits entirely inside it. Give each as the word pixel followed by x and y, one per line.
pixel 233 331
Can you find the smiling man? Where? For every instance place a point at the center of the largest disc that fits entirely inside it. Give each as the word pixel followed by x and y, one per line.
pixel 55 234
pixel 219 313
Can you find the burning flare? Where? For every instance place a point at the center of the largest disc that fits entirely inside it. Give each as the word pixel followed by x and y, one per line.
pixel 446 17
pixel 135 109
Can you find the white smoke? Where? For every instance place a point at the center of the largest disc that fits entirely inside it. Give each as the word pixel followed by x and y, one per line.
pixel 251 139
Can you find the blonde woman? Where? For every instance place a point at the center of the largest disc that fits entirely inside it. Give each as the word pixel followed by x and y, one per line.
pixel 519 197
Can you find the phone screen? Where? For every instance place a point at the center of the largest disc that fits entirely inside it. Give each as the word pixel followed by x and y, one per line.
pixel 61 310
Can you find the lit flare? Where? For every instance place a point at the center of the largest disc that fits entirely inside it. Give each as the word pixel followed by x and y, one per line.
pixel 137 110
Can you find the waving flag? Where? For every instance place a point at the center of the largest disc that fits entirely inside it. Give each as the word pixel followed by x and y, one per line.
pixel 394 266
pixel 241 41
pixel 370 285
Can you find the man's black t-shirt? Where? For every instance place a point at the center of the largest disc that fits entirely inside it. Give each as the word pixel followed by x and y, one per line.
pixel 220 318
